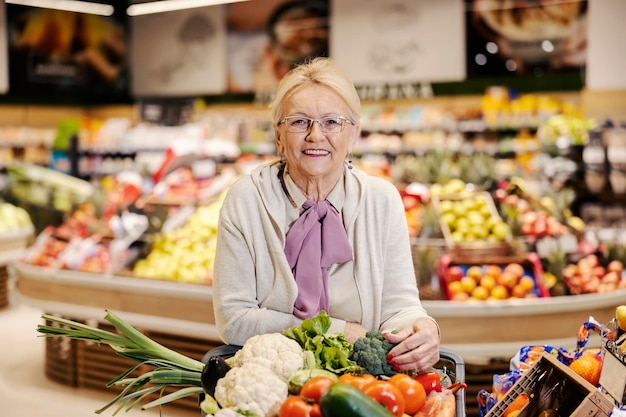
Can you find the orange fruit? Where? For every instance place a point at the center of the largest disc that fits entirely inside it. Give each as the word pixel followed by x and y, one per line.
pixel 455 287
pixel 468 284
pixel 527 283
pixel 500 292
pixel 517 404
pixel 480 293
pixel 515 268
pixel 508 279
pixel 493 270
pixel 518 291
pixel 475 272
pixel 460 296
pixel 588 367
pixel 488 282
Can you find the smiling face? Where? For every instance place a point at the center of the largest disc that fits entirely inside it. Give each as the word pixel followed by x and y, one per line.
pixel 315 157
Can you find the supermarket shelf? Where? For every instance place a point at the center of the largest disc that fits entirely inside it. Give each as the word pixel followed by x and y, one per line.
pixel 13 243
pixel 478 331
pixel 169 307
pixel 482 331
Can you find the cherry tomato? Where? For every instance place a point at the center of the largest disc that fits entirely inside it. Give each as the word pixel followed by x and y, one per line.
pixel 315 387
pixel 297 406
pixel 413 392
pixel 430 380
pixel 358 381
pixel 388 395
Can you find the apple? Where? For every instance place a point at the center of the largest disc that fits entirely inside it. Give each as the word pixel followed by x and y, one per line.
pixel 570 270
pixel 500 194
pixel 591 286
pixel 511 200
pixel 592 260
pixel 615 266
pixel 611 277
pixel 410 202
pixel 455 273
pixel 500 230
pixel 598 271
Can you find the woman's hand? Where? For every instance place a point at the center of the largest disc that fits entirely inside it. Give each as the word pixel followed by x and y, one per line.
pixel 353 331
pixel 417 346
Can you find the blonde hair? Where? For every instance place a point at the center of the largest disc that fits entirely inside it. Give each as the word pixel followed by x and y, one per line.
pixel 323 71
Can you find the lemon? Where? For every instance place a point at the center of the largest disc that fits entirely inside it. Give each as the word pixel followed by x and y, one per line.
pixel 620 317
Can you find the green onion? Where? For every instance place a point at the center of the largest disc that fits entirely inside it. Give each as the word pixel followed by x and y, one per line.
pixel 171 369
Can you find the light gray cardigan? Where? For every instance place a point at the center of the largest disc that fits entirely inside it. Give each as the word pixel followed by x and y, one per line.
pixel 253 287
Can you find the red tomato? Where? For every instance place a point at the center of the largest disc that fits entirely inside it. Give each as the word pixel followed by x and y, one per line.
pixel 413 392
pixel 315 387
pixel 358 381
pixel 297 406
pixel 430 380
pixel 388 395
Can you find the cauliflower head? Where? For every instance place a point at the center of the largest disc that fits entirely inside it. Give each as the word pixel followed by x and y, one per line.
pixel 251 387
pixel 275 351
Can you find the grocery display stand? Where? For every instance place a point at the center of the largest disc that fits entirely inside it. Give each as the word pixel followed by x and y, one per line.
pixel 484 334
pixel 12 244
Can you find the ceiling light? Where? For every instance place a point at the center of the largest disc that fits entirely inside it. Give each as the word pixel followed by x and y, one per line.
pixel 68 5
pixel 171 5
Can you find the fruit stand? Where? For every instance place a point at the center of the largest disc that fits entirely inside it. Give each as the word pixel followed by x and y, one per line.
pixel 12 245
pixel 479 332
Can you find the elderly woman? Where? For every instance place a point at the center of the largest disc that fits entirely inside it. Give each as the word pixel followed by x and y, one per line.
pixel 311 232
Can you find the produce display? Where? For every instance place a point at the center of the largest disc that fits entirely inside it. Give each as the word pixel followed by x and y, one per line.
pixel 480 282
pixel 186 253
pixel 303 371
pixel 13 218
pixel 471 217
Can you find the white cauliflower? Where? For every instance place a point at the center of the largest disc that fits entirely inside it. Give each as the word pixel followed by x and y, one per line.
pixel 275 351
pixel 251 387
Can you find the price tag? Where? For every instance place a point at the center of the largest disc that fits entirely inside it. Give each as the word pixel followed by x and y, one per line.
pixel 568 243
pixel 204 168
pixel 546 246
pixel 593 155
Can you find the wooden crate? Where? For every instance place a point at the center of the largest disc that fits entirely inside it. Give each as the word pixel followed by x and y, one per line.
pixel 60 359
pixel 4 287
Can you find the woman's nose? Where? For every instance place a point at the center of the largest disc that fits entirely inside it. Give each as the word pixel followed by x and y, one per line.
pixel 315 132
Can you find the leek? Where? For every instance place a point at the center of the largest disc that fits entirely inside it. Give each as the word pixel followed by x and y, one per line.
pixel 170 368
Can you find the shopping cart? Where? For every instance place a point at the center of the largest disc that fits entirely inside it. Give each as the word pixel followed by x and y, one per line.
pixel 450 362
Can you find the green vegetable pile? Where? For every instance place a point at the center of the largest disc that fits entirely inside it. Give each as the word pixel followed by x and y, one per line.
pixel 332 351
pixel 170 368
pixel 370 352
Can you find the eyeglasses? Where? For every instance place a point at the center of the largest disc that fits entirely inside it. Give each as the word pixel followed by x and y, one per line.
pixel 303 124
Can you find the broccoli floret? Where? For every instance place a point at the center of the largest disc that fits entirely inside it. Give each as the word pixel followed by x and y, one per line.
pixel 370 352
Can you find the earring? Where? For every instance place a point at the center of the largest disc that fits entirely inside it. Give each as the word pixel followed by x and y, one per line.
pixel 350 164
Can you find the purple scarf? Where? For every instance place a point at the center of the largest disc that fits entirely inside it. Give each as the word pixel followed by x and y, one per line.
pixel 314 242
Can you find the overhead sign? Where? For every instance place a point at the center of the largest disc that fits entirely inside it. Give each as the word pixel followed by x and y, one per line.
pixel 399 41
pixel 179 53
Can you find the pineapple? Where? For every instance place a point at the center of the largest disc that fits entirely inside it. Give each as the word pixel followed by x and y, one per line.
pixel 425 259
pixel 555 262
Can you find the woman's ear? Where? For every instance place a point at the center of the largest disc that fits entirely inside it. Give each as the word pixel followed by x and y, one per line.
pixel 278 141
pixel 354 136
